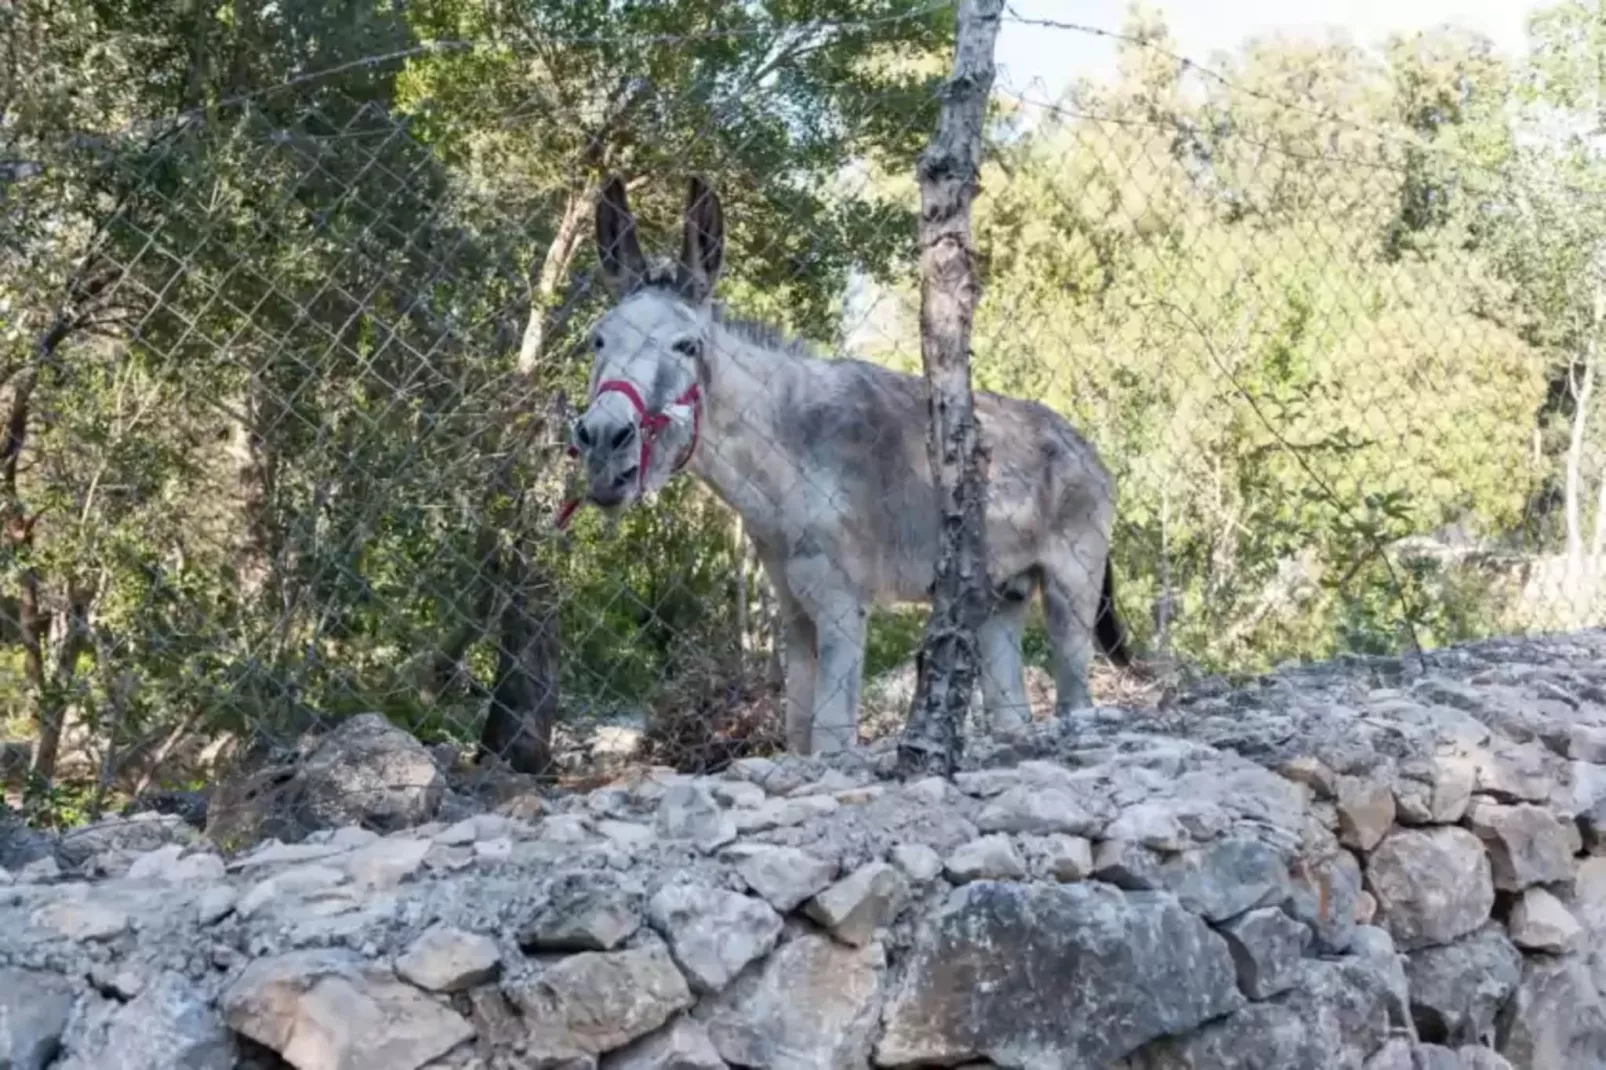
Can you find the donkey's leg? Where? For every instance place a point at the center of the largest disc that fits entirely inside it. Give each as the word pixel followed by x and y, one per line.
pixel 800 660
pixel 1003 673
pixel 839 620
pixel 1071 585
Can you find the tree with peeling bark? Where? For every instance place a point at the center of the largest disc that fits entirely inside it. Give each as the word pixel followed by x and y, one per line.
pixel 948 661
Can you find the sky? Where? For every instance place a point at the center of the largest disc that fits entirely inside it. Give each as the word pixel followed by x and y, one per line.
pixel 1027 54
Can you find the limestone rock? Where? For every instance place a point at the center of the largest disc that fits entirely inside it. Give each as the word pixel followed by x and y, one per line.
pixel 1456 989
pixel 1335 1017
pixel 681 1045
pixel 388 862
pixel 690 812
pixel 1266 946
pixel 1434 1057
pixel 918 862
pixel 1541 922
pixel 34 1009
pixel 447 959
pixel 597 1001
pixel 1394 1055
pixel 815 1003
pixel 1474 1057
pixel 1026 809
pixel 712 932
pixel 584 912
pixel 1129 968
pixel 1365 811
pixel 169 1025
pixel 1059 857
pixel 1527 844
pixel 368 772
pixel 1155 825
pixel 865 900
pixel 1556 1020
pixel 1432 885
pixel 986 858
pixel 329 1010
pixel 784 876
pixel 1324 893
pixel 1437 792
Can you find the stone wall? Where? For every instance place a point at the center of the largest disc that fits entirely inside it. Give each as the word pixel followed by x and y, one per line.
pixel 1365 864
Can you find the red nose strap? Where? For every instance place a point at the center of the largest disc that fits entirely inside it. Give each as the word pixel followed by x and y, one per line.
pixel 652 425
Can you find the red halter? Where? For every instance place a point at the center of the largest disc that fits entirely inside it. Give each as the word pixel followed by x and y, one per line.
pixel 652 425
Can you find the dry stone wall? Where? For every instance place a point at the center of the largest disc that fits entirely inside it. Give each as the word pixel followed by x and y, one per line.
pixel 1365 864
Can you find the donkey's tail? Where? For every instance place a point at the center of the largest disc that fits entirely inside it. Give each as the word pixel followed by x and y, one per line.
pixel 1107 626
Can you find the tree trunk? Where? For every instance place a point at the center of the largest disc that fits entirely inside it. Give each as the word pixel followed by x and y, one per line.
pixel 524 700
pixel 948 660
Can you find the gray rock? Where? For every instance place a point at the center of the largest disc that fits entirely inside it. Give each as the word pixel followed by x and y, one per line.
pixel 1527 844
pixel 1457 989
pixel 1516 772
pixel 1027 809
pixel 1335 1017
pixel 330 1010
pixel 1060 857
pixel 169 1025
pixel 987 858
pixel 1128 968
pixel 712 932
pixel 1437 792
pixel 1266 946
pixel 918 862
pixel 1324 893
pixel 597 1001
pixel 1394 1055
pixel 1556 1020
pixel 1474 1057
pixel 1541 922
pixel 1434 1057
pixel 1153 824
pixel 1226 878
pixel 814 1003
pixel 1432 885
pixel 784 876
pixel 367 772
pixel 448 959
pixel 681 1045
pixel 34 1009
pixel 1375 947
pixel 690 812
pixel 865 900
pixel 1365 811
pixel 584 912
pixel 387 862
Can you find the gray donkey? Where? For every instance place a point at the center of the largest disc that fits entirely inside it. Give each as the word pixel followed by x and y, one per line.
pixel 826 462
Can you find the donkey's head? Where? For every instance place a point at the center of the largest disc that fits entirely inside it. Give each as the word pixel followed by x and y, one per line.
pixel 642 423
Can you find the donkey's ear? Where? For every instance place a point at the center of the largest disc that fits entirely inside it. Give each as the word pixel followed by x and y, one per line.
pixel 702 250
pixel 618 247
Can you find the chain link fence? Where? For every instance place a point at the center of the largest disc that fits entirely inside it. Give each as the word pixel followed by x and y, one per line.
pixel 297 309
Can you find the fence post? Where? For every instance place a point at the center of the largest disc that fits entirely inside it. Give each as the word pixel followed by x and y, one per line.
pixel 948 662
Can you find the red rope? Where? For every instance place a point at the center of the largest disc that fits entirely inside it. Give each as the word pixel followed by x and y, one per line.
pixel 652 425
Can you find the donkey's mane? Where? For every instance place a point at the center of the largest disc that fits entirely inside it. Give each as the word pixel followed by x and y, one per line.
pixel 764 335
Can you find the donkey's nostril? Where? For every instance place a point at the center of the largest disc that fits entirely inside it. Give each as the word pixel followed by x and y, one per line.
pixel 621 436
pixel 627 476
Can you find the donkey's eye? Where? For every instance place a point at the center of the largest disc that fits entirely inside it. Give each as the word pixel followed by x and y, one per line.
pixel 596 341
pixel 688 347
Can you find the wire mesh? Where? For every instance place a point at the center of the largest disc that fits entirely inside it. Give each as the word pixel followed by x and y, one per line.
pixel 298 309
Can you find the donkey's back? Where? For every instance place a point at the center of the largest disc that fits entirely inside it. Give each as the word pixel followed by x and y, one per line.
pixel 859 431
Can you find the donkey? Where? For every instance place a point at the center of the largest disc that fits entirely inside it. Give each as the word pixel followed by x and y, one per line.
pixel 825 461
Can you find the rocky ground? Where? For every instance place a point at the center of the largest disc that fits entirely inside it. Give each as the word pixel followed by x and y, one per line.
pixel 1365 864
